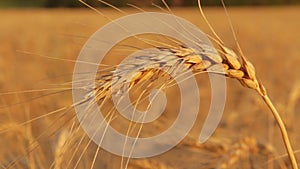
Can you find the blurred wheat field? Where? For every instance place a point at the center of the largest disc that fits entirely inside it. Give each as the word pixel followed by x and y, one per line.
pixel 38 130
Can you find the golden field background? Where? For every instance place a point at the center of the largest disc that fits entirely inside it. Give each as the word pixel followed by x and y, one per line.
pixel 37 53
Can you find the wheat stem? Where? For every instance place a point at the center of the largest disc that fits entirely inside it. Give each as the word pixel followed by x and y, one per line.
pixel 284 134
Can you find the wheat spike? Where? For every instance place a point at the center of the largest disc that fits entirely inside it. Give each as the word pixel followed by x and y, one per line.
pixel 197 61
pixel 137 71
pixel 236 66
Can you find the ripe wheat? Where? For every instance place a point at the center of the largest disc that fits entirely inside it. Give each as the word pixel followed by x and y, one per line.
pixel 235 66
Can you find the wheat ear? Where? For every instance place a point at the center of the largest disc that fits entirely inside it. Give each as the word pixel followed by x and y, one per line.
pixel 148 69
pixel 199 62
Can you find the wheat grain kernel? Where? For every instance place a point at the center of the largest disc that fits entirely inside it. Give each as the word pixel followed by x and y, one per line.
pixel 250 70
pixel 235 73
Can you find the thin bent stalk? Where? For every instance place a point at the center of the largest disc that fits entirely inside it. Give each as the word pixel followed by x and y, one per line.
pixel 283 131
